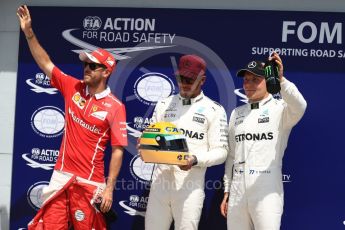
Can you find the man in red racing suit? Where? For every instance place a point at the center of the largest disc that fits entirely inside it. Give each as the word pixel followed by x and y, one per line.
pixel 93 116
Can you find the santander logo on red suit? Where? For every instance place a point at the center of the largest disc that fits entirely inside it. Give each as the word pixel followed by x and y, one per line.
pixel 83 124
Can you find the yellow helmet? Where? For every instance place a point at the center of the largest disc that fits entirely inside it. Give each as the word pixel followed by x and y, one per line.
pixel 162 142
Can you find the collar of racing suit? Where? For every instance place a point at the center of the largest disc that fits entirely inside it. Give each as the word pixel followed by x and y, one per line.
pixel 189 101
pixel 258 104
pixel 100 95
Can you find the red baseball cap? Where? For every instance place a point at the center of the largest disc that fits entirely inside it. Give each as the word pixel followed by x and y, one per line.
pixel 99 56
pixel 191 66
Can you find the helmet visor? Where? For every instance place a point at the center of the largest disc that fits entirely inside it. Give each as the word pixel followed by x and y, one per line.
pixel 168 143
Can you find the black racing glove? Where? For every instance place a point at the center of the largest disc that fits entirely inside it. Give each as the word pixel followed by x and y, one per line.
pixel 272 77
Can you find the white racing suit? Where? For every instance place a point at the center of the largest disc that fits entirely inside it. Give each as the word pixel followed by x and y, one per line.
pixel 177 194
pixel 258 136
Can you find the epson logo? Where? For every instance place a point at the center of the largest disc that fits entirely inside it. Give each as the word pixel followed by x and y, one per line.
pixel 308 32
pixel 254 137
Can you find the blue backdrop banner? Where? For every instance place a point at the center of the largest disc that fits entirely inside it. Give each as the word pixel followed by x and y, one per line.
pixel 147 44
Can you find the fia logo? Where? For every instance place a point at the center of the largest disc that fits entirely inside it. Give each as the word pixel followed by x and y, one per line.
pixel 41 84
pixel 92 23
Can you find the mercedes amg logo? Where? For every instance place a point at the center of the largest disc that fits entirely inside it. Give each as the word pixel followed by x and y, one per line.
pixel 252 64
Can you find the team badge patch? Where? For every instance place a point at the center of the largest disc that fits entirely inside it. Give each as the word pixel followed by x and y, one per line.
pixel 79 215
pixel 95 112
pixel 200 120
pixel 78 100
pixel 264 120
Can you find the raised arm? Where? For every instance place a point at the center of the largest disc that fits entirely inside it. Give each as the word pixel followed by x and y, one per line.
pixel 295 103
pixel 39 54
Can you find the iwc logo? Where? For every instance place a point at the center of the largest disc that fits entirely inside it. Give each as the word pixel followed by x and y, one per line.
pixel 140 170
pixel 34 194
pixel 151 87
pixel 48 121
